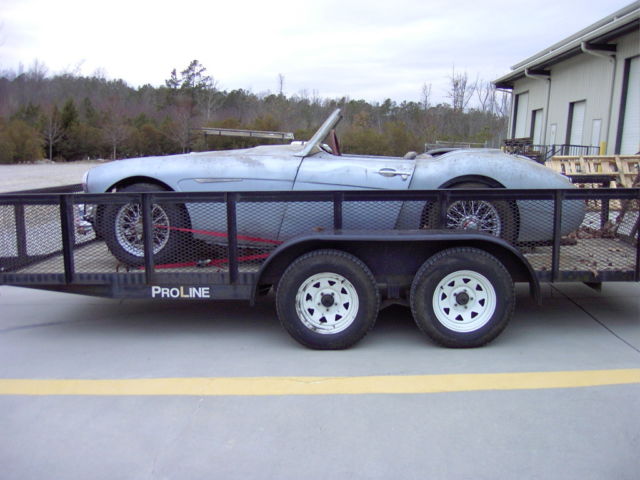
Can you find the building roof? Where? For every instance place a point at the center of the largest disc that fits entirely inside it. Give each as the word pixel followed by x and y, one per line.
pixel 595 37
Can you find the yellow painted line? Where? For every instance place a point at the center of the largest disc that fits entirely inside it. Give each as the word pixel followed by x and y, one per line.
pixel 264 386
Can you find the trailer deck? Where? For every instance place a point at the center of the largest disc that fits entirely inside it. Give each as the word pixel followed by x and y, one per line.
pixel 597 258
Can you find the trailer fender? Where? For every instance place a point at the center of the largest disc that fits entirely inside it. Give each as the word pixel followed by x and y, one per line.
pixel 428 242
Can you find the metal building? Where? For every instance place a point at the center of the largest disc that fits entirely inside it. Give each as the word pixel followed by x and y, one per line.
pixel 581 96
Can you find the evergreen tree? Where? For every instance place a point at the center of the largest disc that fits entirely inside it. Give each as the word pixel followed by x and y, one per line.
pixel 69 115
pixel 20 142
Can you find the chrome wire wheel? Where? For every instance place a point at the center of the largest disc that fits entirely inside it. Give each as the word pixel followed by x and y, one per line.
pixel 128 228
pixel 327 303
pixel 464 301
pixel 474 215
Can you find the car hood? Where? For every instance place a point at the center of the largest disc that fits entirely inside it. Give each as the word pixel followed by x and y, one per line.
pixel 269 162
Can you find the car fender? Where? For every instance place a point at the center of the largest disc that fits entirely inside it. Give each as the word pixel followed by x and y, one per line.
pixel 497 169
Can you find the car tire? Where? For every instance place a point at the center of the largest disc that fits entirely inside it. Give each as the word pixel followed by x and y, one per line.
pixel 462 298
pixel 327 300
pixel 122 229
pixel 496 217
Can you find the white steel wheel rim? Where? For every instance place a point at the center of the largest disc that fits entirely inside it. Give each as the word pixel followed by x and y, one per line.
pixel 129 229
pixel 464 301
pixel 474 215
pixel 327 303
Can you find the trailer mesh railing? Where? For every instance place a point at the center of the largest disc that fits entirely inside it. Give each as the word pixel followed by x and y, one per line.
pixel 208 238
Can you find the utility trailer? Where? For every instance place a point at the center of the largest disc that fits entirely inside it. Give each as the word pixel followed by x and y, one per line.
pixel 330 280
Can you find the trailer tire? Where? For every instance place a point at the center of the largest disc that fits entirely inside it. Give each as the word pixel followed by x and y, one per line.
pixel 327 300
pixel 121 227
pixel 462 297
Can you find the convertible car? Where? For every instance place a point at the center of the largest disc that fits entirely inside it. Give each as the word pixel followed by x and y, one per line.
pixel 318 164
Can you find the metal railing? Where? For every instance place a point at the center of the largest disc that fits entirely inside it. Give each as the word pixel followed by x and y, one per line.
pixel 596 237
pixel 542 153
pixel 569 150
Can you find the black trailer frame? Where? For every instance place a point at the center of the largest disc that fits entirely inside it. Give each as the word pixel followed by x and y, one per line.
pixel 235 283
pixel 330 281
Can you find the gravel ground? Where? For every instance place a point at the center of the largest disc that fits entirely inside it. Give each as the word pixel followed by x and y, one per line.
pixel 41 175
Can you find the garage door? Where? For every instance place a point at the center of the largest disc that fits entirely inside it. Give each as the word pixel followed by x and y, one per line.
pixel 630 141
pixel 537 127
pixel 577 123
pixel 522 106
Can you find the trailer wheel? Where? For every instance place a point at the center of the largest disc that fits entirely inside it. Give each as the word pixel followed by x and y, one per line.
pixel 122 228
pixel 462 297
pixel 327 300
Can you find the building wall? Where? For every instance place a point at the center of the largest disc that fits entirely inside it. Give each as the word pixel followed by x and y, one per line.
pixel 595 79
pixel 537 90
pixel 582 78
pixel 628 47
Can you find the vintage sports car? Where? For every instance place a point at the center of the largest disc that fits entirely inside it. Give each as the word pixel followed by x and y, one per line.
pixel 314 165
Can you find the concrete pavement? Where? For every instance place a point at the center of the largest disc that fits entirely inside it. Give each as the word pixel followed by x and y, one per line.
pixel 540 432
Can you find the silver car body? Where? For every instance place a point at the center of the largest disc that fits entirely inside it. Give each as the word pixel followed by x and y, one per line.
pixel 312 166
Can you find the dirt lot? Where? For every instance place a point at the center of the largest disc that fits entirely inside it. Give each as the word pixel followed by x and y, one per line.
pixel 41 175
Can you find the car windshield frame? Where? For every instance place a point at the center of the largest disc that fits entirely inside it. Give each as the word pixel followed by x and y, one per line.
pixel 324 130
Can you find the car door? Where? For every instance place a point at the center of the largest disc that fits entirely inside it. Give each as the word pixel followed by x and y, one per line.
pixel 247 172
pixel 324 171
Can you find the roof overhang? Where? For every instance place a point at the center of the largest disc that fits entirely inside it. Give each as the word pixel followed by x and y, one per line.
pixel 595 38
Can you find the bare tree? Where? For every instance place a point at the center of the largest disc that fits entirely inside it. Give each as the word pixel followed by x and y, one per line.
pixel 486 95
pixel 51 129
pixel 503 104
pixel 212 98
pixel 426 96
pixel 280 83
pixel 73 71
pixel 111 117
pixel 461 90
pixel 116 131
pixel 38 71
pixel 179 128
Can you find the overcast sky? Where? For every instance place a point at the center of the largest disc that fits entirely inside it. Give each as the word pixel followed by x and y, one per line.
pixel 365 49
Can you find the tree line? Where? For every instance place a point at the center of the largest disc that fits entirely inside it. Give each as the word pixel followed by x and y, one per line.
pixel 68 117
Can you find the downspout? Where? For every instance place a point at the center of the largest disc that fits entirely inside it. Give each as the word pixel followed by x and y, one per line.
pixel 614 61
pixel 512 110
pixel 536 76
